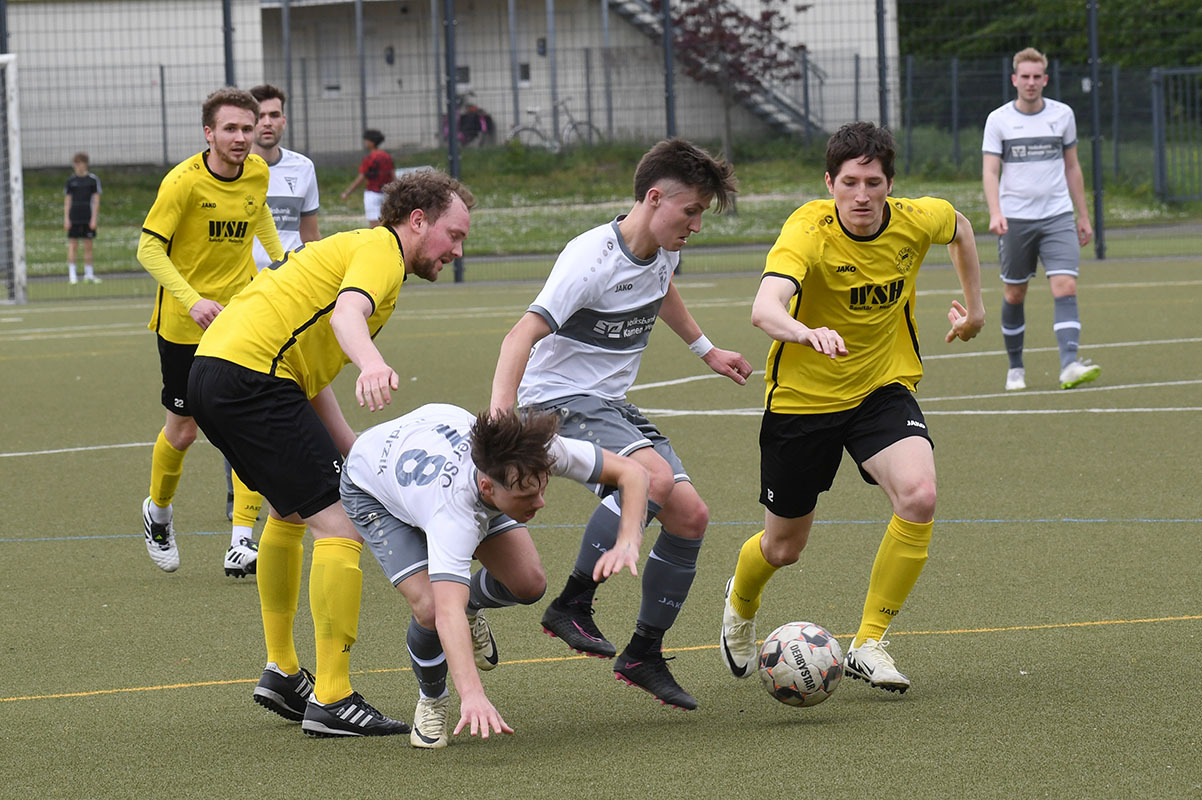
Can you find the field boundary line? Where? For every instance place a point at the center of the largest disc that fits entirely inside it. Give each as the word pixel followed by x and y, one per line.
pixel 558 659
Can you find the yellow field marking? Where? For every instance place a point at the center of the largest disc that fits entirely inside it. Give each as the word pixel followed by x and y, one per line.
pixel 557 659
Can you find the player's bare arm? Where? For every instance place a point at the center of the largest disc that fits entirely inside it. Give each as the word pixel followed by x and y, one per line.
pixel 325 403
pixel 770 313
pixel 991 177
pixel 511 363
pixel 376 378
pixel 308 228
pixel 967 319
pixel 633 482
pixel 1075 178
pixel 476 713
pixel 724 362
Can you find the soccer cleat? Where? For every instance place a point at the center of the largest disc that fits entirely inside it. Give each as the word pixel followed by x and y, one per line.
pixel 1079 372
pixel 350 716
pixel 160 540
pixel 90 279
pixel 651 674
pixel 1016 379
pixel 869 662
pixel 738 639
pixel 242 558
pixel 73 279
pixel 430 723
pixel 484 646
pixel 573 622
pixel 284 694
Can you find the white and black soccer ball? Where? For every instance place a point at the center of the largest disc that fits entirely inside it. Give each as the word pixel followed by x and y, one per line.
pixel 801 664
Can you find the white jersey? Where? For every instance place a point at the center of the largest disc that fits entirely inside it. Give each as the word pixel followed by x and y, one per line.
pixel 420 468
pixel 291 194
pixel 601 302
pixel 1032 147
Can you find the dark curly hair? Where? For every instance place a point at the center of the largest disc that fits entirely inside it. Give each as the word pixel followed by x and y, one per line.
pixel 429 190
pixel 511 448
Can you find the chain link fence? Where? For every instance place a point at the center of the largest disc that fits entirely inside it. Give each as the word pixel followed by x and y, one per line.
pixel 124 79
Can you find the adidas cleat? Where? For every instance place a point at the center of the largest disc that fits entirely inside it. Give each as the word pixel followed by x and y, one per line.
pixel 284 694
pixel 241 559
pixel 160 540
pixel 350 716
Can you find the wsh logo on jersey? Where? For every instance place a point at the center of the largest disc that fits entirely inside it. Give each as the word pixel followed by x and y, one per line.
pixel 864 298
pixel 221 230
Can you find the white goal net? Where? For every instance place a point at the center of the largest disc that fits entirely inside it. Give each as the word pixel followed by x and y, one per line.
pixel 12 202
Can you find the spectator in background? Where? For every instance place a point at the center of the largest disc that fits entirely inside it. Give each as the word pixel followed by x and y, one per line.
pixel 81 211
pixel 376 170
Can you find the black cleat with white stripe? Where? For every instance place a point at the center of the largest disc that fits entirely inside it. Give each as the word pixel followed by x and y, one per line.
pixel 350 716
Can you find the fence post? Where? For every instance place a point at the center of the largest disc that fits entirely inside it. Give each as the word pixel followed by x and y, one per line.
pixel 956 111
pixel 448 22
pixel 605 56
pixel 163 107
pixel 1114 114
pixel 513 62
pixel 227 35
pixel 669 77
pixel 882 65
pixel 908 111
pixel 286 29
pixel 805 91
pixel 1006 71
pixel 1159 173
pixel 856 90
pixel 551 70
pixel 1095 94
pixel 305 100
pixel 362 65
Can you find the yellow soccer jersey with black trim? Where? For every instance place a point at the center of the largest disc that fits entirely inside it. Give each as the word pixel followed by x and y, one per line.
pixel 208 224
pixel 280 326
pixel 863 288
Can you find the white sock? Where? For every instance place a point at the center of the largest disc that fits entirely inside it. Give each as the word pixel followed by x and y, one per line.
pixel 71 272
pixel 87 271
pixel 239 533
pixel 160 515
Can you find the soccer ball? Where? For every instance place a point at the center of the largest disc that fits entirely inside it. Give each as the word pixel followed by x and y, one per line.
pixel 801 664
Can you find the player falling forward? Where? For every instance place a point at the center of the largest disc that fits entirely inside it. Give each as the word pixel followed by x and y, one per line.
pixel 837 297
pixel 431 489
pixel 588 328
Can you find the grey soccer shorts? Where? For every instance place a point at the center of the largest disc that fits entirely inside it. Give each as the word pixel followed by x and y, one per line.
pixel 1028 241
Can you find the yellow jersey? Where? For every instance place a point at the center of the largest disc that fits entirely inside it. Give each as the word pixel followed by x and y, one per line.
pixel 863 288
pixel 207 225
pixel 280 326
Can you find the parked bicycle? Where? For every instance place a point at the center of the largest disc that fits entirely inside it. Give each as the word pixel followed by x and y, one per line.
pixel 573 132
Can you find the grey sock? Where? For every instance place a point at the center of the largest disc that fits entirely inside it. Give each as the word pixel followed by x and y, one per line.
pixel 1067 326
pixel 1014 324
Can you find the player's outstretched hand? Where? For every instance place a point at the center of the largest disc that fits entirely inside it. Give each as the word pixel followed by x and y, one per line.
pixel 963 327
pixel 204 311
pixel 614 559
pixel 728 363
pixel 372 388
pixel 824 341
pixel 480 718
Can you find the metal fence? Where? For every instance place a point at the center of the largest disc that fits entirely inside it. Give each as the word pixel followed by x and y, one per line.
pixel 124 79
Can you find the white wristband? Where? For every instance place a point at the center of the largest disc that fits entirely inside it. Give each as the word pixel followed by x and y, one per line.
pixel 701 346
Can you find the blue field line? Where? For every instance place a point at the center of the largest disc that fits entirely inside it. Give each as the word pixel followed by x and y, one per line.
pixel 743 523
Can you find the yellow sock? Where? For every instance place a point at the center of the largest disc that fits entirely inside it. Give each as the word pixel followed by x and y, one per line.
pixel 335 586
pixel 281 553
pixel 166 465
pixel 899 561
pixel 247 503
pixel 751 576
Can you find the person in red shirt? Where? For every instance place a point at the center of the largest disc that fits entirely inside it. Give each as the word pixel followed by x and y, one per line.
pixel 376 170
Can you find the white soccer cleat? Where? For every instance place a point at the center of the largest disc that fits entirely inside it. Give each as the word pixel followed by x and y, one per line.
pixel 1079 372
pixel 242 559
pixel 1016 379
pixel 869 662
pixel 430 723
pixel 738 639
pixel 484 646
pixel 160 540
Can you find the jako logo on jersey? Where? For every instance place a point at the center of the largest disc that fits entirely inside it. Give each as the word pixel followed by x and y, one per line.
pixel 224 229
pixel 845 268
pixel 871 294
pixel 207 204
pixel 624 287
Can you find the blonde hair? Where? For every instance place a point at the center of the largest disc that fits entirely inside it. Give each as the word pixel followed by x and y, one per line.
pixel 1030 54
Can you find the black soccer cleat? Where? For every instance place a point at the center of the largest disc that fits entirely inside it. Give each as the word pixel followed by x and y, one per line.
pixel 651 674
pixel 283 694
pixel 573 622
pixel 350 716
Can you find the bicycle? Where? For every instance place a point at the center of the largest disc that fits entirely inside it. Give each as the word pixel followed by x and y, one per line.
pixel 573 132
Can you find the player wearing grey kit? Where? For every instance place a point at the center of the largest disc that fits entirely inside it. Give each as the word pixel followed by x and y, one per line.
pixel 1031 205
pixel 588 328
pixel 431 489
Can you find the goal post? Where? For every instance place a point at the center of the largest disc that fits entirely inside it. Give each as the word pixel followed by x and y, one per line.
pixel 12 202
